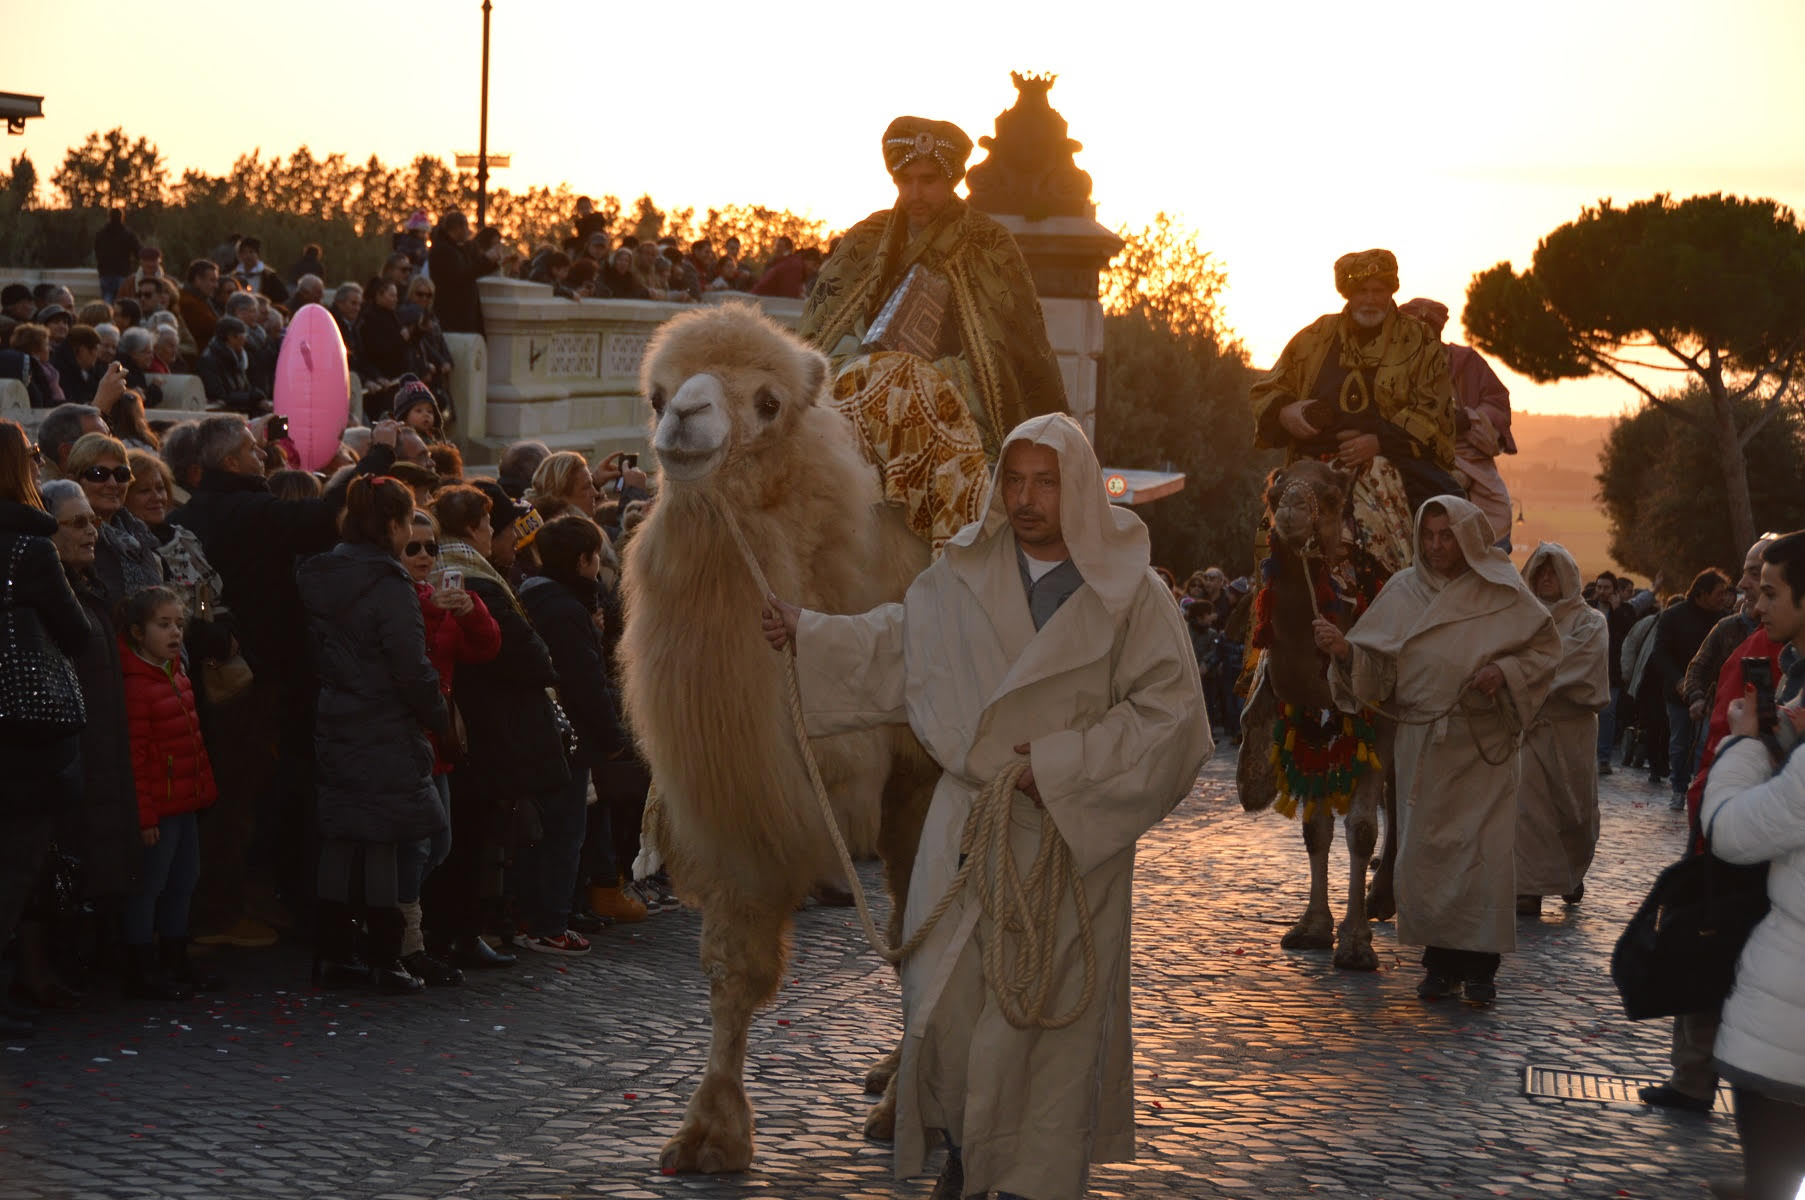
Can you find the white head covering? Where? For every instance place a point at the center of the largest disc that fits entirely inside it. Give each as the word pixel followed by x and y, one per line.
pixel 1566 569
pixel 1474 533
pixel 1107 542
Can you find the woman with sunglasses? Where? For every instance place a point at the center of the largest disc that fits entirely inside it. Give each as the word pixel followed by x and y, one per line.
pixel 99 849
pixel 43 774
pixel 126 558
pixel 459 629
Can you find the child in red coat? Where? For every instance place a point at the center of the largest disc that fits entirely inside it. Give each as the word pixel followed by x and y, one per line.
pixel 174 782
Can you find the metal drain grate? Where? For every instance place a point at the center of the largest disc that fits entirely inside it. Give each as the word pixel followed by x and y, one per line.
pixel 1559 1084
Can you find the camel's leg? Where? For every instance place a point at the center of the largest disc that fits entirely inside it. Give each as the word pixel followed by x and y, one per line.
pixel 1354 941
pixel 1381 901
pixel 1254 780
pixel 1315 930
pixel 743 957
pixel 907 794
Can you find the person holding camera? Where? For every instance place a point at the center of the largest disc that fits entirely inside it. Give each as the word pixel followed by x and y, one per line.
pixel 1754 811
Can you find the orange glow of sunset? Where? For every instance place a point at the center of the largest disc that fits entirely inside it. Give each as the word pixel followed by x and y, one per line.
pixel 1284 133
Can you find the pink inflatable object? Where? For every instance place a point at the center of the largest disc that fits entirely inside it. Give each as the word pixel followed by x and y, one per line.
pixel 313 385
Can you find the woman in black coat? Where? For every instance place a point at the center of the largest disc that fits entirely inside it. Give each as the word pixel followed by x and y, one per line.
pixel 379 696
pixel 515 765
pixel 98 834
pixel 43 774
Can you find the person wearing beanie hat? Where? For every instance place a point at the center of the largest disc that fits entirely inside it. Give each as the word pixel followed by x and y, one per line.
pixel 929 302
pixel 16 302
pixel 1368 389
pixel 415 406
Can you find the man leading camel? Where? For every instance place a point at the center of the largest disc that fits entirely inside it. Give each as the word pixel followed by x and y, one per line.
pixel 1463 653
pixel 1041 631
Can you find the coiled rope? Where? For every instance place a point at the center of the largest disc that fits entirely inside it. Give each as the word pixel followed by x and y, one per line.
pixel 1020 942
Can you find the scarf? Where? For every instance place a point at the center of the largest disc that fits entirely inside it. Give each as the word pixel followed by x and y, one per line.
pixel 464 556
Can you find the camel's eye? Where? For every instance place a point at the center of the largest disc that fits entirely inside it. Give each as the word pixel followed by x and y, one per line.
pixel 768 403
pixel 658 400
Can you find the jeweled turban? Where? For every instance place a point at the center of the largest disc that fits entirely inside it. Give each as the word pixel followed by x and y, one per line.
pixel 1351 270
pixel 910 138
pixel 1432 313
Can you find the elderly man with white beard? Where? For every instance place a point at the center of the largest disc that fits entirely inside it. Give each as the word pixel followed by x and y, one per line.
pixel 1368 389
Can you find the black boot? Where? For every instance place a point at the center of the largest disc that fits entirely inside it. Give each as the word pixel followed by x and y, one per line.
pixel 431 971
pixel 387 928
pixel 145 980
pixel 335 961
pixel 184 970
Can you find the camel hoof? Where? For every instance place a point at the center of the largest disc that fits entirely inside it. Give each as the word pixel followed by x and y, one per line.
pixel 1380 906
pixel 1308 937
pixel 708 1151
pixel 878 1078
pixel 1355 955
pixel 880 1122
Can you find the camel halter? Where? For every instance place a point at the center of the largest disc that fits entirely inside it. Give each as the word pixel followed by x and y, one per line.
pixel 1512 722
pixel 1019 959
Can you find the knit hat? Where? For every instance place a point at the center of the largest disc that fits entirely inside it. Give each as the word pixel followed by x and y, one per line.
pixel 418 221
pixel 504 510
pixel 412 393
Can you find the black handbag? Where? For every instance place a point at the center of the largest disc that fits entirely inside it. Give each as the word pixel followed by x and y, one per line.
pixel 40 695
pixel 1678 954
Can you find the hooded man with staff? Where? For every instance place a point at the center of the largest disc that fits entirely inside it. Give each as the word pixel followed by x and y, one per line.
pixel 1040 641
pixel 1460 652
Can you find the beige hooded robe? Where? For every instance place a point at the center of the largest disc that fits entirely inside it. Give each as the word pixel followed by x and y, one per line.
pixel 1557 804
pixel 1106 695
pixel 1414 651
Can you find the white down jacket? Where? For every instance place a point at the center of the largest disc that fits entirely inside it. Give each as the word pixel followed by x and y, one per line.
pixel 1755 815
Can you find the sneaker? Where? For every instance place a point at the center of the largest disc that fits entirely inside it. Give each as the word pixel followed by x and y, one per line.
pixel 1435 987
pixel 586 920
pixel 618 904
pixel 1678 803
pixel 568 942
pixel 647 893
pixel 247 933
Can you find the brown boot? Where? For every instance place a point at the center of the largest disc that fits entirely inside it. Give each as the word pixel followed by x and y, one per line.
pixel 617 904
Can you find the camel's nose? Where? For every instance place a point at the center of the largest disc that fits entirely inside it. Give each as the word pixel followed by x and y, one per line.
pixel 685 407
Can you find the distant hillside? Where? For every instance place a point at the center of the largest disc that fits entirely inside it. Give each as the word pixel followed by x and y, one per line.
pixel 1553 483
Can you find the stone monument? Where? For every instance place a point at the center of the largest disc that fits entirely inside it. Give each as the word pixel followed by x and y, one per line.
pixel 1031 185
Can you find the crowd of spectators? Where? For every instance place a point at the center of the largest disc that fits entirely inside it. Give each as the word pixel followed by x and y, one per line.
pixel 373 708
pixel 224 317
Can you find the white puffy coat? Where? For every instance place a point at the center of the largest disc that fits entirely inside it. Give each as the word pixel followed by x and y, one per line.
pixel 1755 815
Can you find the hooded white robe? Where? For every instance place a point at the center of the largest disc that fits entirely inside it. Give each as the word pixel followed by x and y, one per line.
pixel 1414 651
pixel 1557 805
pixel 1106 694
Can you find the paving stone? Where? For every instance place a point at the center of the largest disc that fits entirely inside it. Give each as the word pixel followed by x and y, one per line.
pixel 1259 1071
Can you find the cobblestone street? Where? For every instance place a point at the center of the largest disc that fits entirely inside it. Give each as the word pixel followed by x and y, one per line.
pixel 1260 1072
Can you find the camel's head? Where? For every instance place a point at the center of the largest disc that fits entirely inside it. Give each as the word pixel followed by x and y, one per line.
pixel 721 382
pixel 1305 501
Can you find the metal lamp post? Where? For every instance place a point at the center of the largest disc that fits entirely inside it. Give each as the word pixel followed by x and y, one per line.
pixel 482 136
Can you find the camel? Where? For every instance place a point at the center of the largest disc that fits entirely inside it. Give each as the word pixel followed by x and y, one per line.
pixel 1305 503
pixel 740 427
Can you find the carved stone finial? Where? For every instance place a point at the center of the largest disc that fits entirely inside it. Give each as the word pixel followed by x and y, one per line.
pixel 1030 171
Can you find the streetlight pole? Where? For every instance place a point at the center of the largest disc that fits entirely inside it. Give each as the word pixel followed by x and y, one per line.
pixel 482 137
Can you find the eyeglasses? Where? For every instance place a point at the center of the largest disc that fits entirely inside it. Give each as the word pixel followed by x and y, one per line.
pixel 413 548
pixel 81 522
pixel 102 474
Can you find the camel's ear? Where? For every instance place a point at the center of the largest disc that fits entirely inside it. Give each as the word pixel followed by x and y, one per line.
pixel 1275 487
pixel 814 376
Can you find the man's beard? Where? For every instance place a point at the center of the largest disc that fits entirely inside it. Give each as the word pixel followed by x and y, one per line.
pixel 1368 318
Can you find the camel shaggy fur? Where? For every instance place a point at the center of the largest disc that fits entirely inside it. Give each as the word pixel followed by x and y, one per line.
pixel 739 427
pixel 1305 503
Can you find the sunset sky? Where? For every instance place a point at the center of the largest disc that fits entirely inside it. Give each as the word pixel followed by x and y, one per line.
pixel 1283 133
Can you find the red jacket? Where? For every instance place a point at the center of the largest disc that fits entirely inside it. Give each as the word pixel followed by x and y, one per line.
pixel 1729 687
pixel 450 640
pixel 169 760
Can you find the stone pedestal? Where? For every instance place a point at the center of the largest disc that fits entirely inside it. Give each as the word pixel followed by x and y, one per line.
pixel 1065 256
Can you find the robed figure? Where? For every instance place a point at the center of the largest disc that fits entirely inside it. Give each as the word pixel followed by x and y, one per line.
pixel 931 320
